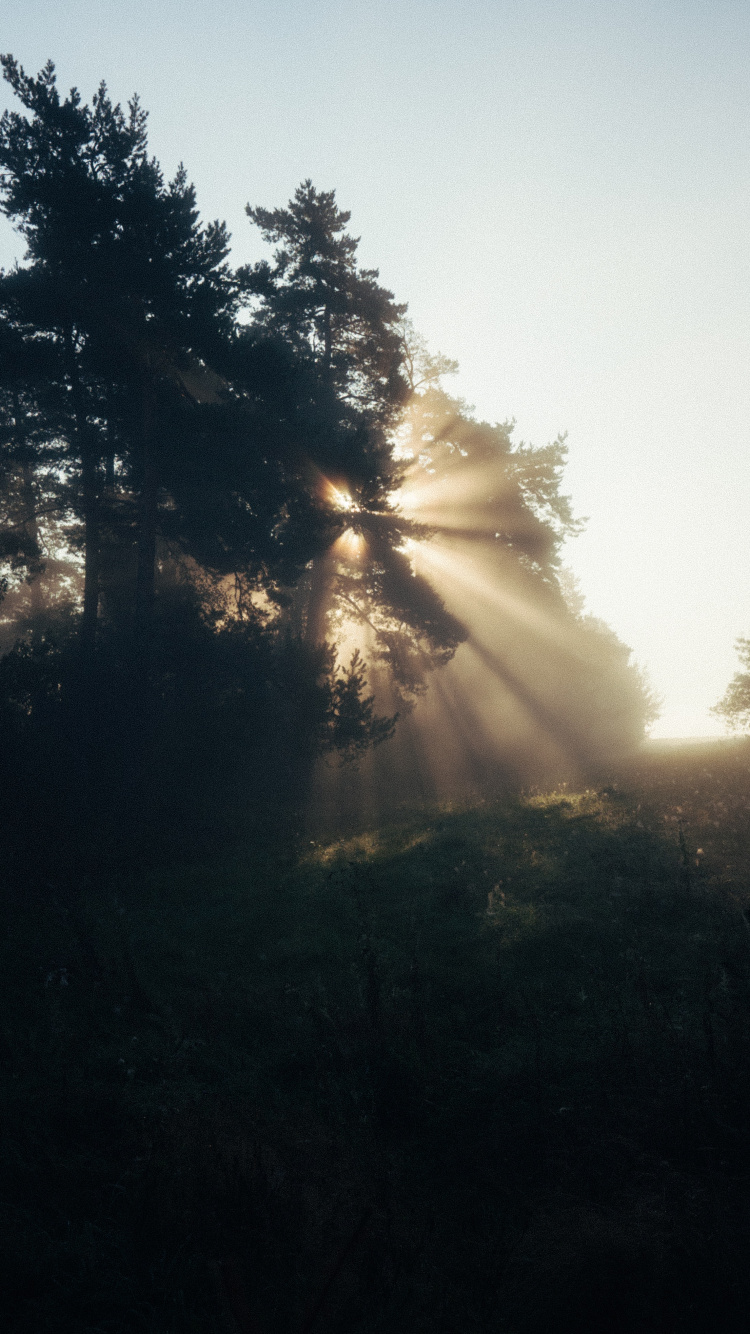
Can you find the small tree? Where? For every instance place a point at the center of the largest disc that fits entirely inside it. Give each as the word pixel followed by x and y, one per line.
pixel 734 706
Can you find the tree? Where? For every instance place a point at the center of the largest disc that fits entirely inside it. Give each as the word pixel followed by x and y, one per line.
pixel 472 481
pixel 170 439
pixel 231 489
pixel 31 496
pixel 498 518
pixel 126 282
pixel 20 540
pixel 734 706
pixel 347 334
pixel 62 173
pixel 341 323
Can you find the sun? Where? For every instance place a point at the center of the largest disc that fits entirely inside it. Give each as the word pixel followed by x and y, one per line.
pixel 338 498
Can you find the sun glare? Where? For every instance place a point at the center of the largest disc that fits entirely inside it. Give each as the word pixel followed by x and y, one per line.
pixel 438 496
pixel 341 500
pixel 349 546
pixel 516 698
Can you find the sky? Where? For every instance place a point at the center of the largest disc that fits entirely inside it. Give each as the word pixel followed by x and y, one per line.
pixel 560 191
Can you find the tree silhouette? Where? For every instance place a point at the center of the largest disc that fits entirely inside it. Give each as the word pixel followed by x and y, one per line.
pixel 208 559
pixel 348 333
pixel 126 283
pixel 168 438
pixel 341 322
pixel 734 706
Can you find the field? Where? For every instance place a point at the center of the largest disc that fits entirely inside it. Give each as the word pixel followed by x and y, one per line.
pixel 487 1069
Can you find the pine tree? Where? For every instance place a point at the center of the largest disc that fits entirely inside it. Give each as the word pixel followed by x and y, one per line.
pixel 347 331
pixel 133 289
pixel 30 490
pixel 343 324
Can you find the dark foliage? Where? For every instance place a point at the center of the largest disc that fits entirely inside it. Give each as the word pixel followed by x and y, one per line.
pixel 145 429
pixel 162 412
pixel 236 713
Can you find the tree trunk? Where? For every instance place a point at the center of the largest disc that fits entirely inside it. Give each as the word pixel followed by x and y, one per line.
pixel 32 528
pixel 318 598
pixel 327 341
pixel 30 523
pixel 91 557
pixel 90 488
pixel 109 459
pixel 147 515
pixel 141 701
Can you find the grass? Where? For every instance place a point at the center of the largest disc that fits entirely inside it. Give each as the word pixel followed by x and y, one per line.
pixel 485 1070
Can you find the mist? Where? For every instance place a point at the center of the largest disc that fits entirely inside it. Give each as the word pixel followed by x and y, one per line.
pixel 364 968
pixel 536 691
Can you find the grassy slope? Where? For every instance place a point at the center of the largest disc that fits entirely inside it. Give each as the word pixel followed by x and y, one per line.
pixel 488 1070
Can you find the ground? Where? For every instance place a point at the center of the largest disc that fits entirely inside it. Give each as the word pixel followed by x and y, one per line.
pixel 483 1070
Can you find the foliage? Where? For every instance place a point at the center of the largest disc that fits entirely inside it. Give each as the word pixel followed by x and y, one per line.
pixel 160 411
pixel 499 520
pixel 238 710
pixel 635 685
pixel 143 428
pixel 350 334
pixel 188 427
pixel 338 317
pixel 507 493
pixel 734 706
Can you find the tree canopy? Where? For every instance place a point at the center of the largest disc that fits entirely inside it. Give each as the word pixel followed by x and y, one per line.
pixel 208 555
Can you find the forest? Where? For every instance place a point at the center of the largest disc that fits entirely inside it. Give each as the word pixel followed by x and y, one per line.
pixel 362 970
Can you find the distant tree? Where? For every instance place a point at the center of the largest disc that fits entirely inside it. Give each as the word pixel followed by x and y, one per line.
pixel 631 684
pixel 422 367
pixel 734 706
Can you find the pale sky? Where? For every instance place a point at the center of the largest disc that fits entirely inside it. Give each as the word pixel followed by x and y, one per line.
pixel 560 190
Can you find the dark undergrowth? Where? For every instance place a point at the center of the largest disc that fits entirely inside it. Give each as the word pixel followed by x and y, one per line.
pixel 486 1070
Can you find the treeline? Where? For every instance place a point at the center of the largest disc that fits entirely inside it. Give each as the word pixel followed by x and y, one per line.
pixel 199 472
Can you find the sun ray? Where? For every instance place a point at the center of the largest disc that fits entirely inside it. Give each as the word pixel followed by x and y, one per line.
pixel 457 574
pixel 475 484
pixel 564 735
pixel 515 703
pixel 350 546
